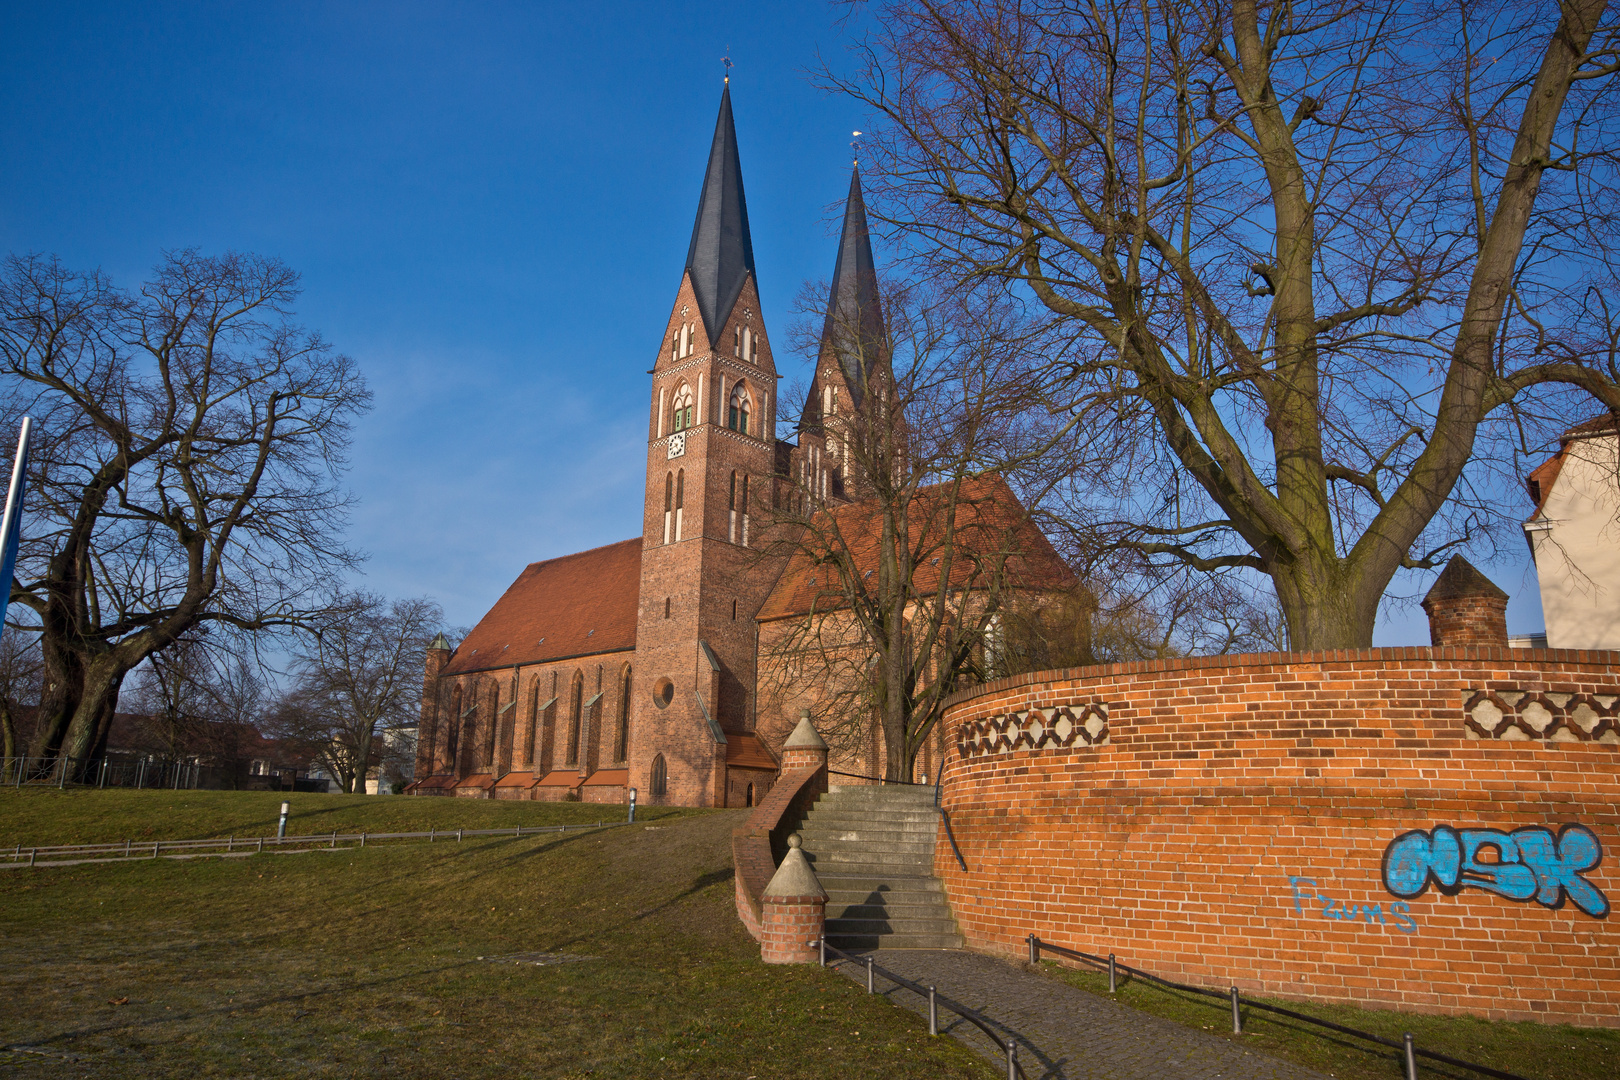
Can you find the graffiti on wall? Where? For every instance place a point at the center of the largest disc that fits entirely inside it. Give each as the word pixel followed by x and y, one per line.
pixel 1327 907
pixel 1525 864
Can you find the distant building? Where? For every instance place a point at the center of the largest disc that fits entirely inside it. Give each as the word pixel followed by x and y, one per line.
pixel 1574 537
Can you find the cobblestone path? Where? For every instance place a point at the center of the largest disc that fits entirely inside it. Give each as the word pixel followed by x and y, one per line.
pixel 1064 1033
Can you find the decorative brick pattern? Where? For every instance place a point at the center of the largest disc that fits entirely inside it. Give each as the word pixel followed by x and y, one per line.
pixel 1234 827
pixel 1558 716
pixel 1036 729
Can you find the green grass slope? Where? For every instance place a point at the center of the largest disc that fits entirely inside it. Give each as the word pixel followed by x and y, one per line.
pixel 362 963
pixel 45 816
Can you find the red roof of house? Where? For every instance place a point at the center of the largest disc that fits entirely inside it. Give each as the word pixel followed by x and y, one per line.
pixel 1542 478
pixel 989 520
pixel 745 751
pixel 576 605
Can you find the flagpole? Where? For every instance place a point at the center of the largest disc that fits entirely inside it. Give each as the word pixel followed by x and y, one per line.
pixel 11 524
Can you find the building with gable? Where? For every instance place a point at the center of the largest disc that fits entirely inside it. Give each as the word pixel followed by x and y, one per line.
pixel 1574 537
pixel 638 664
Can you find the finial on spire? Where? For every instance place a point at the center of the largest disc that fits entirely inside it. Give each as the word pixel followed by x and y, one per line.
pixel 855 147
pixel 726 60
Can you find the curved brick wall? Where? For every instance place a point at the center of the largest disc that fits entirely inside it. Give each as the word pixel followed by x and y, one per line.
pixel 1310 825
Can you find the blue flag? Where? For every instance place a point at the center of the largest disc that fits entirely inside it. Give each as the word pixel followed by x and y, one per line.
pixel 11 526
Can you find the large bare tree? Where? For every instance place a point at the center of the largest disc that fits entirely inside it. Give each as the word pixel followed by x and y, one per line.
pixel 1315 270
pixel 358 679
pixel 190 439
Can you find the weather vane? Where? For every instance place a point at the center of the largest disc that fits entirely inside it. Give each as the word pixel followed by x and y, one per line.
pixel 726 60
pixel 855 147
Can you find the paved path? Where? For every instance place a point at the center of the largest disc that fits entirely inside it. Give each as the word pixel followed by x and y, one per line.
pixel 1064 1033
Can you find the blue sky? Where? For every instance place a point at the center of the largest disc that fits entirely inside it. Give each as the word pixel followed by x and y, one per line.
pixel 490 206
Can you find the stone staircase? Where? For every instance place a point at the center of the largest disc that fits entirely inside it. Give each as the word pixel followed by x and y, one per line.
pixel 873 850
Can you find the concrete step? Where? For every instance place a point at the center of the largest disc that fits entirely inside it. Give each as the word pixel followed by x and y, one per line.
pixel 892 817
pixel 860 909
pixel 887 796
pixel 863 927
pixel 871 863
pixel 925 822
pixel 887 884
pixel 816 842
pixel 896 941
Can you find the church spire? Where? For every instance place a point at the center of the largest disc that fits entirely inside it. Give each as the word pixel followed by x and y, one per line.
pixel 721 256
pixel 854 329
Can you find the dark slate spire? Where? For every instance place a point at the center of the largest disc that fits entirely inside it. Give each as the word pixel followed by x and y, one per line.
pixel 722 254
pixel 854 326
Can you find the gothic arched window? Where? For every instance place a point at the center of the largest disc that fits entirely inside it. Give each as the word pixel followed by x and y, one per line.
pixel 621 742
pixel 575 717
pixel 659 781
pixel 669 504
pixel 737 409
pixel 681 419
pixel 680 500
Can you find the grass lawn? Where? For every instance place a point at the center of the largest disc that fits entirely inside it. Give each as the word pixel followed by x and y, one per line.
pixel 1532 1050
pixel 46 816
pixel 368 962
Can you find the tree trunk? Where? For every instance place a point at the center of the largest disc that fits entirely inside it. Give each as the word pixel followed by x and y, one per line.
pixel 92 719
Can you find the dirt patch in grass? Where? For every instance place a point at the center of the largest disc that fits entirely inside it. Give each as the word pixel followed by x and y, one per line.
pixel 1554 1052
pixel 404 961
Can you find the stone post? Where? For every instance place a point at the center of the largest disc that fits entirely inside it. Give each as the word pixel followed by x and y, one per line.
pixel 794 911
pixel 804 749
pixel 1466 608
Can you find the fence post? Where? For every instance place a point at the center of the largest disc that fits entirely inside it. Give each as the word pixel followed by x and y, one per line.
pixel 230 843
pixel 1034 944
pixel 334 839
pixel 869 974
pixel 126 848
pixel 458 836
pixel 1237 1018
pixel 432 833
pixel 61 774
pixel 32 852
pixel 1111 983
pixel 933 1012
pixel 261 845
pixel 1012 1060
pixel 822 942
pixel 1411 1056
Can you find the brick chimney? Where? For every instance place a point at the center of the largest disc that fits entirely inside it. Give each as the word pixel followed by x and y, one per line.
pixel 1466 608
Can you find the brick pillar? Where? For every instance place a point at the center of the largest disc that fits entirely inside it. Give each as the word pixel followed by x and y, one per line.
pixel 1466 608
pixel 795 911
pixel 804 749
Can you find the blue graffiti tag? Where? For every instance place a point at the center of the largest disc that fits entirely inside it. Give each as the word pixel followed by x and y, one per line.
pixel 1337 909
pixel 1525 864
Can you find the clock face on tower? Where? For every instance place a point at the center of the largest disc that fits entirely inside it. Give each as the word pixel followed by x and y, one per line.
pixel 677 444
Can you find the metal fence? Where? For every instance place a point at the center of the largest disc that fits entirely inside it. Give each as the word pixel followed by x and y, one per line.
pixel 1409 1051
pixel 244 845
pixel 935 999
pixel 143 772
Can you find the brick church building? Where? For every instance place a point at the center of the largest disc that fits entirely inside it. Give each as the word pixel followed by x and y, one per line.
pixel 637 664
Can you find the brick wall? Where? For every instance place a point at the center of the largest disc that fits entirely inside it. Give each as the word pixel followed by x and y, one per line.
pixel 1266 821
pixel 1468 620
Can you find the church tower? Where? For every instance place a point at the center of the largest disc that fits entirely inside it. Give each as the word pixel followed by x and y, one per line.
pixel 839 420
pixel 710 458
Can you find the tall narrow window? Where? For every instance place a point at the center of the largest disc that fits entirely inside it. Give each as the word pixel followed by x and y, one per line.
pixel 669 503
pixel 731 506
pixel 659 780
pixel 621 740
pixel 742 505
pixel 734 611
pixel 680 500
pixel 736 341
pixel 576 698
pixel 666 607
pixel 452 734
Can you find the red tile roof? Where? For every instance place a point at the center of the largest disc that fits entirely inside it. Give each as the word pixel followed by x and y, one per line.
pixel 989 519
pixel 609 778
pixel 745 751
pixel 576 605
pixel 559 778
pixel 516 779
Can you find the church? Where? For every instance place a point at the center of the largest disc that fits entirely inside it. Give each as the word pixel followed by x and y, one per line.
pixel 638 665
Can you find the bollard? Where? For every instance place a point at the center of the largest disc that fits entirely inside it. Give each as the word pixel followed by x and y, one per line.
pixel 1034 949
pixel 281 828
pixel 261 845
pixel 1237 1018
pixel 362 839
pixel 1411 1057
pixel 933 1012
pixel 632 821
pixel 1111 984
pixel 1012 1060
pixel 869 975
pixel 458 836
pixel 821 941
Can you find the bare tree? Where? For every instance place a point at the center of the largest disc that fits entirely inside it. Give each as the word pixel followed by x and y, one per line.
pixel 358 675
pixel 1317 272
pixel 894 601
pixel 20 680
pixel 185 474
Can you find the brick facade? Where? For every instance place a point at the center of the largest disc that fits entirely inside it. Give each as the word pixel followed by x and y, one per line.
pixel 1266 821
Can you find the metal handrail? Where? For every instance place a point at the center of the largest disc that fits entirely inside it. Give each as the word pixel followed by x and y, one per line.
pixel 934 998
pixel 151 849
pixel 1406 1045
